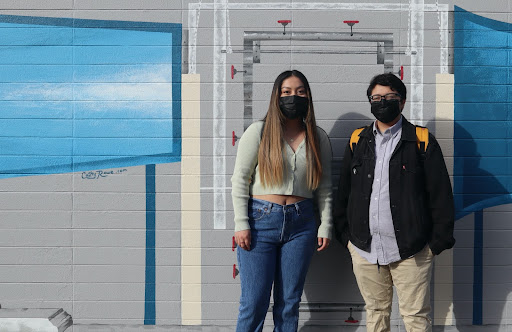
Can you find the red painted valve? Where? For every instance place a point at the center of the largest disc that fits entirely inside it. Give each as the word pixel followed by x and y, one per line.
pixel 351 24
pixel 284 23
pixel 234 71
pixel 235 271
pixel 351 319
pixel 234 138
pixel 401 72
pixel 233 245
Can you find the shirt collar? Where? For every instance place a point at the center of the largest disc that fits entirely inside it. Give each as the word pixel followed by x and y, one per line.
pixel 392 131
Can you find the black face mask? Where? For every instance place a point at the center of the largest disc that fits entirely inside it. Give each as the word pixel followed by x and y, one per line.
pixel 294 107
pixel 386 110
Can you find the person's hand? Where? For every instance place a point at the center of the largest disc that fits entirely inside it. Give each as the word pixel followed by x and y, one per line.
pixel 323 243
pixel 243 239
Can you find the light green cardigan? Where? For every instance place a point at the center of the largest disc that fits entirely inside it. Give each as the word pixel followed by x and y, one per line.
pixel 246 180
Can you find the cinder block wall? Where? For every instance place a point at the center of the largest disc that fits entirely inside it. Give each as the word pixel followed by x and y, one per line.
pixel 113 241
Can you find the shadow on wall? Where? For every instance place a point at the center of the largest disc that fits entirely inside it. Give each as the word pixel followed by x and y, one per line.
pixel 478 273
pixel 330 279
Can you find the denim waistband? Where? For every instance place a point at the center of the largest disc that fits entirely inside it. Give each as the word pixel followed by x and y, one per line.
pixel 270 206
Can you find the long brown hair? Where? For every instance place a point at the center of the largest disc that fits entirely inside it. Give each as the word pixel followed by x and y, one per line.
pixel 270 154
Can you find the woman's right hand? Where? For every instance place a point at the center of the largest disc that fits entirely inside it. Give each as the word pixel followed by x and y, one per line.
pixel 243 239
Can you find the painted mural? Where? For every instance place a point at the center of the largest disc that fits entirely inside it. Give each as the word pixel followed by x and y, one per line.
pixel 81 95
pixel 118 137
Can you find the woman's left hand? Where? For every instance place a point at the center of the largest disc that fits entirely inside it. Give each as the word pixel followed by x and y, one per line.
pixel 323 243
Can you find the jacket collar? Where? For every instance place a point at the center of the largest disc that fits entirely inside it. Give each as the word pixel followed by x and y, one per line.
pixel 408 131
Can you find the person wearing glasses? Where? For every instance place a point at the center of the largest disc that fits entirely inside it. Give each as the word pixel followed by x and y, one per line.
pixel 394 210
pixel 282 173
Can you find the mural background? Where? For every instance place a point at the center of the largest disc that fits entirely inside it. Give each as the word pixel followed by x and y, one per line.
pixel 116 139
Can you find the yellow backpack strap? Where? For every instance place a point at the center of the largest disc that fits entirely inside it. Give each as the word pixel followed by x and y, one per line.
pixel 355 138
pixel 422 138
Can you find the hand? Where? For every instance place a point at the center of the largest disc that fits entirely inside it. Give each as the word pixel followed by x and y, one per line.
pixel 323 243
pixel 243 239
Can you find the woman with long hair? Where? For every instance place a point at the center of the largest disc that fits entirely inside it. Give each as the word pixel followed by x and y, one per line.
pixel 282 170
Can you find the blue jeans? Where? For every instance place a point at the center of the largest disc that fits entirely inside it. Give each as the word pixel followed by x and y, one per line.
pixel 283 240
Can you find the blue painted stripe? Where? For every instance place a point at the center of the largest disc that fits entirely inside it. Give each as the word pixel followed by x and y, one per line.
pixel 478 270
pixel 500 166
pixel 122 54
pixel 36 55
pixel 21 146
pixel 489 111
pixel 36 36
pixel 138 73
pixel 113 147
pixel 21 109
pixel 122 91
pixel 110 128
pixel 123 110
pixel 482 202
pixel 87 36
pixel 36 91
pixel 36 73
pixel 150 305
pixel 36 128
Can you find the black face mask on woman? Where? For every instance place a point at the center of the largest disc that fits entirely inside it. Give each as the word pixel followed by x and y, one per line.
pixel 386 110
pixel 294 107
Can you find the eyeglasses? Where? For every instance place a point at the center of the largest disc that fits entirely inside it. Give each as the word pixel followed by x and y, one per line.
pixel 387 96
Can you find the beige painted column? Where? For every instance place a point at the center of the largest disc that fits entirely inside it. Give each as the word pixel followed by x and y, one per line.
pixel 190 201
pixel 443 271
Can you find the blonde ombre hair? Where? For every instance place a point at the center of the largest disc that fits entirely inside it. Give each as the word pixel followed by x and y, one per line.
pixel 270 153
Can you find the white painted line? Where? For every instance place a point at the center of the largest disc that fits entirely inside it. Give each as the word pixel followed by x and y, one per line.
pixel 219 113
pixel 417 40
pixel 444 42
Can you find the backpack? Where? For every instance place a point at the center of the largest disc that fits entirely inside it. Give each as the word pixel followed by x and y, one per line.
pixel 421 138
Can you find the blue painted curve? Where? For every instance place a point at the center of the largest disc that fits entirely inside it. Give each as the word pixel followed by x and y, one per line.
pixel 482 127
pixel 483 118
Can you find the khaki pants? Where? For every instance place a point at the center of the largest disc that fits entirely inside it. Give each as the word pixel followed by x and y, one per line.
pixel 411 278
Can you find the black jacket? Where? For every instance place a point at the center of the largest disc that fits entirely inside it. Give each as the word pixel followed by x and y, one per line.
pixel 420 193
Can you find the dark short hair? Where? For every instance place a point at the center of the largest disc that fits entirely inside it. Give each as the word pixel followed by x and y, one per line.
pixel 388 79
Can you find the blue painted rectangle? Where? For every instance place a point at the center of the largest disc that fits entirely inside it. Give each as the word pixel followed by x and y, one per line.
pixel 118 83
pixel 482 148
pixel 473 165
pixel 36 73
pixel 488 38
pixel 123 128
pixel 121 147
pixel 470 56
pixel 150 273
pixel 21 146
pixel 470 129
pixel 123 110
pixel 147 37
pixel 10 165
pixel 148 73
pixel 480 93
pixel 122 54
pixel 496 111
pixel 36 128
pixel 30 36
pixel 36 55
pixel 21 109
pixel 122 91
pixel 481 184
pixel 482 75
pixel 36 91
pixel 482 126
